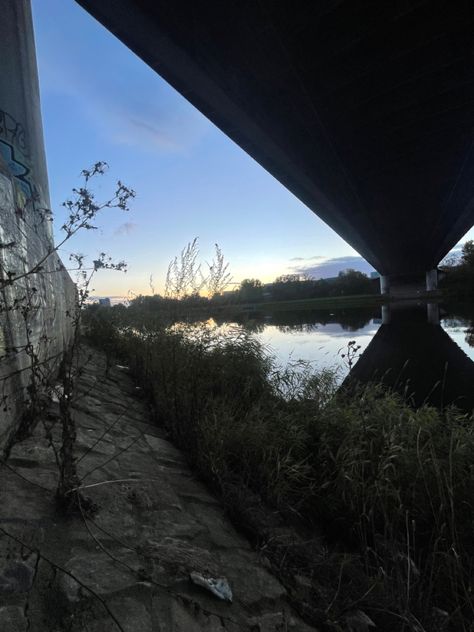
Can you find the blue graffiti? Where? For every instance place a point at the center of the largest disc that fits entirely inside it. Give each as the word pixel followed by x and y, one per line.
pixel 18 170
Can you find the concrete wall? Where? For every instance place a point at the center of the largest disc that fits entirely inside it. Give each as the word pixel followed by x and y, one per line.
pixel 33 309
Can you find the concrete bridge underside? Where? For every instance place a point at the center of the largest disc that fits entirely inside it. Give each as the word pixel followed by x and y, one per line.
pixel 363 109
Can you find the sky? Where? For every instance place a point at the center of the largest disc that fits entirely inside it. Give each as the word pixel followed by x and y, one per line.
pixel 101 102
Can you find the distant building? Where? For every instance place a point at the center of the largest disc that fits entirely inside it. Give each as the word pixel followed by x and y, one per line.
pixel 105 302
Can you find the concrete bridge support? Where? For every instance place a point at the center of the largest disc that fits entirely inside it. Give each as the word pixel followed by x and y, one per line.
pixel 432 280
pixel 409 286
pixel 33 309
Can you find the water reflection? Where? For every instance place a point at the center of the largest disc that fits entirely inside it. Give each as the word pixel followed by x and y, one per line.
pixel 414 355
pixel 408 347
pixel 307 320
pixel 405 346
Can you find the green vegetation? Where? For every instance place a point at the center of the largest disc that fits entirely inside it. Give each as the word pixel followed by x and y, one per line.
pixel 199 307
pixel 391 486
pixel 295 287
pixel 358 300
pixel 458 280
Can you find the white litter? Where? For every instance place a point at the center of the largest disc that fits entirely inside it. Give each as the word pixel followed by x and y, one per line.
pixel 218 586
pixel 56 393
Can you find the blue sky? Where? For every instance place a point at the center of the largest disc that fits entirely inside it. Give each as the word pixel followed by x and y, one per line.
pixel 100 102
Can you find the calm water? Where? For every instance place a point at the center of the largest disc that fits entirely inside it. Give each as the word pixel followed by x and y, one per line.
pixel 425 352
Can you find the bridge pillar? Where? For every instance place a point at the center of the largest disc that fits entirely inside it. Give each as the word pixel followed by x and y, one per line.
pixel 409 285
pixel 34 308
pixel 432 313
pixel 432 280
pixel 386 315
pixel 384 284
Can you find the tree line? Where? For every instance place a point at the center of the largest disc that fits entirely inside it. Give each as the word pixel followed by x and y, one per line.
pixel 457 280
pixel 298 287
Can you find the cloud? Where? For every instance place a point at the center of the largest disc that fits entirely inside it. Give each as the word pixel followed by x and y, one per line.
pixel 324 267
pixel 315 258
pixel 125 229
pixel 328 268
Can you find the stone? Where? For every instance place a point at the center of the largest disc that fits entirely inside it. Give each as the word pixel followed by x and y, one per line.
pixel 170 615
pixel 18 576
pixel 129 612
pixel 12 619
pixel 71 589
pixel 98 571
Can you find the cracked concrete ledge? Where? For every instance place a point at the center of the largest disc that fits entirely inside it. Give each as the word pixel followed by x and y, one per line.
pixel 128 565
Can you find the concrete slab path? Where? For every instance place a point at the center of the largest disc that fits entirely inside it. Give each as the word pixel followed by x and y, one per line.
pixel 127 566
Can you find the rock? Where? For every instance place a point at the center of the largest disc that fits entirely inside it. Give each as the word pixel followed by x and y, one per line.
pixel 12 619
pixel 18 576
pixel 97 571
pixel 130 613
pixel 175 616
pixel 70 588
pixel 270 622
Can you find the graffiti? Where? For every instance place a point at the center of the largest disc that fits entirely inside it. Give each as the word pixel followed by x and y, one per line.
pixel 17 169
pixel 14 152
pixel 13 132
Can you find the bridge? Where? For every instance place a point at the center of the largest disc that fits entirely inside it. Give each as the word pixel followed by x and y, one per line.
pixel 363 109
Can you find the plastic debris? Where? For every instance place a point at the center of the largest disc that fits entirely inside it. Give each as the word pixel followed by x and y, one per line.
pixel 218 586
pixel 56 393
pixel 122 367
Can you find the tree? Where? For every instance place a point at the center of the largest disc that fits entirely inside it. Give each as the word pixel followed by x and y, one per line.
pixel 251 290
pixel 292 286
pixel 467 254
pixel 353 282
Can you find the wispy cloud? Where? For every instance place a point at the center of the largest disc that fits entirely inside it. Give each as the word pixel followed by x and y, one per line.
pixel 125 229
pixel 315 258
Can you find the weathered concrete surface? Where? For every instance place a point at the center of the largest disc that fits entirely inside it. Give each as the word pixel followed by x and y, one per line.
pixel 154 525
pixel 32 310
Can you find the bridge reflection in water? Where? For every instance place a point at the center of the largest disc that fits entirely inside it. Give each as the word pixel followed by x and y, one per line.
pixel 412 354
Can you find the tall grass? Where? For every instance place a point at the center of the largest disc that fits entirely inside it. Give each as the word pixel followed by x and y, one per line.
pixel 391 486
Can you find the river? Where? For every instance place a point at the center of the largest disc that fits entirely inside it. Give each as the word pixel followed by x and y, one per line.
pixel 427 352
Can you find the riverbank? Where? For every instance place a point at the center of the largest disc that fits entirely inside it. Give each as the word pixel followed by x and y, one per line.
pixel 336 302
pixel 325 303
pixel 146 525
pixel 389 486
